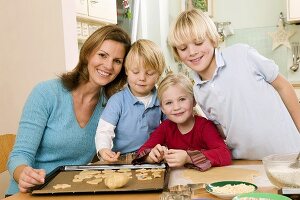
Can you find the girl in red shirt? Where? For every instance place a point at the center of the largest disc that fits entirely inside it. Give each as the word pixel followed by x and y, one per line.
pixel 184 139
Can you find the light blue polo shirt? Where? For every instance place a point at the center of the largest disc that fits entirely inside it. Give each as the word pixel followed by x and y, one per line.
pixel 240 98
pixel 133 122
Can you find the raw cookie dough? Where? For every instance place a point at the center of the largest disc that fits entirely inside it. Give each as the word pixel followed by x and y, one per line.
pixel 61 186
pixel 220 174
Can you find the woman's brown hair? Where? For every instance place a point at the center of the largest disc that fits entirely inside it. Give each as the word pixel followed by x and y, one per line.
pixel 79 74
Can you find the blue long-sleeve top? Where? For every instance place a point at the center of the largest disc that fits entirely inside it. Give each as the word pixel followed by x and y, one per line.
pixel 49 134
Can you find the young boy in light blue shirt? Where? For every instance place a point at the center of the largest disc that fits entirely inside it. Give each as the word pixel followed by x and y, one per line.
pixel 133 113
pixel 241 91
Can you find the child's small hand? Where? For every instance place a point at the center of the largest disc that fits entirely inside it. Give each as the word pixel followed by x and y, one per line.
pixel 108 155
pixel 157 153
pixel 176 157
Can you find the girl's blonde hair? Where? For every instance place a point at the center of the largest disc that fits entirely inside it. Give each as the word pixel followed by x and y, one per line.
pixel 147 54
pixel 172 79
pixel 192 25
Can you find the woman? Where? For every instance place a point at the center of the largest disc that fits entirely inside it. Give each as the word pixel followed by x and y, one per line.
pixel 60 117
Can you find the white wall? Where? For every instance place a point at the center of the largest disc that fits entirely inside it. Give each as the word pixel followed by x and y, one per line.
pixel 33 48
pixel 37 42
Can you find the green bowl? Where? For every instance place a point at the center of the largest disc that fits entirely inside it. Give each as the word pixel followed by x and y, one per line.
pixel 261 195
pixel 209 188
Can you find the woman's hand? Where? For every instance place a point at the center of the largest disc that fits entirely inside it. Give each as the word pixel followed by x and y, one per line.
pixel 176 157
pixel 108 155
pixel 29 177
pixel 157 153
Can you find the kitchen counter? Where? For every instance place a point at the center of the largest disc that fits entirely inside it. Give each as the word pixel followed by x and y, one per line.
pixel 175 178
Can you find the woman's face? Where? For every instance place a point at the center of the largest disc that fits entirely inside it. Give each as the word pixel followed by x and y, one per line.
pixel 106 62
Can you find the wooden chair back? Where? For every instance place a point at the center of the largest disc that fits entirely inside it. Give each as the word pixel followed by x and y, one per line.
pixel 7 142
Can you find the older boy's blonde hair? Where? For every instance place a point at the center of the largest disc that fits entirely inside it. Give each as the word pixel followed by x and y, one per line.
pixel 147 54
pixel 172 79
pixel 192 25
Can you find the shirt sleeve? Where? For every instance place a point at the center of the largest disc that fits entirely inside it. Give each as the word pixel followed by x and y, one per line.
pixel 263 66
pixel 215 149
pixel 199 161
pixel 104 135
pixel 32 124
pixel 113 109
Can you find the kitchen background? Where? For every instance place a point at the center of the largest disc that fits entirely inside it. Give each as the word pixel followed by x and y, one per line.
pixel 40 39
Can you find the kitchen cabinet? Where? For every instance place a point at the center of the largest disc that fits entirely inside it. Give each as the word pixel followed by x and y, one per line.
pixel 293 11
pixel 92 14
pixel 82 7
pixel 104 10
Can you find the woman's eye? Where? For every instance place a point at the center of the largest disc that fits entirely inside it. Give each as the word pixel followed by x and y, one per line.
pixel 168 103
pixel 119 62
pixel 198 43
pixel 182 99
pixel 102 55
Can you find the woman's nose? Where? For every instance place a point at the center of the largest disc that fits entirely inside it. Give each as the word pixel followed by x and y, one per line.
pixel 109 64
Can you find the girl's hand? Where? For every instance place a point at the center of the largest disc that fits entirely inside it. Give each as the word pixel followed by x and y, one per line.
pixel 30 177
pixel 157 153
pixel 108 155
pixel 176 157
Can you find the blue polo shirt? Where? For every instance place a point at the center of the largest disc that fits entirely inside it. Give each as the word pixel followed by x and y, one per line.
pixel 133 122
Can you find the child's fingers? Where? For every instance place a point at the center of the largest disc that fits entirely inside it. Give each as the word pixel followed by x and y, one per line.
pixel 165 149
pixel 111 154
pixel 172 151
pixel 117 155
pixel 159 147
pixel 107 153
pixel 159 153
pixel 153 157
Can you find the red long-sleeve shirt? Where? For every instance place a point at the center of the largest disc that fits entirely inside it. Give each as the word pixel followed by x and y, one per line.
pixel 203 143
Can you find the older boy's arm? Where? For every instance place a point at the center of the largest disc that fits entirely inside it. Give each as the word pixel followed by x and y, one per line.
pixel 289 98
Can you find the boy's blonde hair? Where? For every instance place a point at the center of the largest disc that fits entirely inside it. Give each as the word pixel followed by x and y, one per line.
pixel 147 54
pixel 172 79
pixel 192 25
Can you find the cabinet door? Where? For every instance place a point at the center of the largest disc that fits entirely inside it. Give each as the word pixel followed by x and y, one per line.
pixel 82 7
pixel 105 10
pixel 293 10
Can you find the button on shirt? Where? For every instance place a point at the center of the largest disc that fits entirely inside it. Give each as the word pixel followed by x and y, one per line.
pixel 133 123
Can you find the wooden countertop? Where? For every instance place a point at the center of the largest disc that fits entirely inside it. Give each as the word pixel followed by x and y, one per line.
pixel 138 196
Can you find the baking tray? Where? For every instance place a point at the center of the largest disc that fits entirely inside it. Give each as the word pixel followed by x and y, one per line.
pixel 65 175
